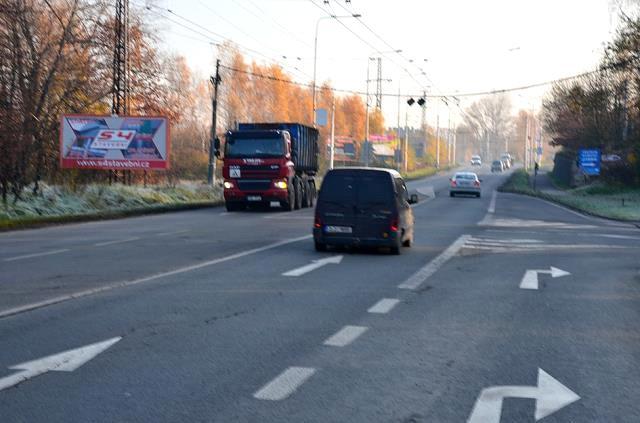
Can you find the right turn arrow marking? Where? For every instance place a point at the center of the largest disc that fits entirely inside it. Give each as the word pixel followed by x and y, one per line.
pixel 550 396
pixel 530 278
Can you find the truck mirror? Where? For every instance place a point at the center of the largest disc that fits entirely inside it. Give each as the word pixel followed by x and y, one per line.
pixel 217 153
pixel 216 143
pixel 413 199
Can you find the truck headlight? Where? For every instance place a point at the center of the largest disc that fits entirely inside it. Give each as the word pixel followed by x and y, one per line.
pixel 228 185
pixel 280 184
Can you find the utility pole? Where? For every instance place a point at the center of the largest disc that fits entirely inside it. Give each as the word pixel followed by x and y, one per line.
pixel 379 85
pixel 405 158
pixel 525 158
pixel 333 132
pixel 120 67
pixel 438 141
pixel 215 81
pixel 366 120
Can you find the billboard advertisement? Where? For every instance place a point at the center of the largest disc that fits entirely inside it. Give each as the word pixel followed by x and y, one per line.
pixel 114 142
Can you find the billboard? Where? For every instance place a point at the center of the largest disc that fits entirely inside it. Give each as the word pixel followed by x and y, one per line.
pixel 114 142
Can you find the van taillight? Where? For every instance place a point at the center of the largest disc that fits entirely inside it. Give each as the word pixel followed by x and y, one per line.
pixel 393 226
pixel 453 182
pixel 317 223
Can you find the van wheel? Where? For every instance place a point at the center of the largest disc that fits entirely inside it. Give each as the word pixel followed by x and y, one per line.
pixel 320 247
pixel 395 251
pixel 451 194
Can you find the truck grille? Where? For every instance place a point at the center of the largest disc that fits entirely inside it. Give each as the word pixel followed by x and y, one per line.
pixel 254 184
pixel 260 171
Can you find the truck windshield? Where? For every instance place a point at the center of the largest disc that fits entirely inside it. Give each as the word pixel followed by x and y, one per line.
pixel 254 147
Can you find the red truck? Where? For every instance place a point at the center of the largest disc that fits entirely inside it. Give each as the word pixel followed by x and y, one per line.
pixel 270 162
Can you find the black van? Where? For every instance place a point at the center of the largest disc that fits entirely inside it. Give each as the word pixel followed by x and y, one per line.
pixel 364 206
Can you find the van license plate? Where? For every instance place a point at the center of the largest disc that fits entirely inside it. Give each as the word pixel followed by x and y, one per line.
pixel 338 229
pixel 254 198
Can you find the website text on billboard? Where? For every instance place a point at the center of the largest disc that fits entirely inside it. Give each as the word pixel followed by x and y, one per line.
pixel 114 142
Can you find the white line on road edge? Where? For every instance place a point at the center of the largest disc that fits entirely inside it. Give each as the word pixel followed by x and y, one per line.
pixel 345 336
pixel 384 306
pixel 173 232
pixel 118 241
pixel 492 203
pixel 285 384
pixel 432 267
pixel 46 253
pixel 80 294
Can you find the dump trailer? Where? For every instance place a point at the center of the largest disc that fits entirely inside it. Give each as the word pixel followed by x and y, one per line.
pixel 270 162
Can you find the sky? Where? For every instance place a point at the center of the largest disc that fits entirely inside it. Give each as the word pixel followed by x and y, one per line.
pixel 448 46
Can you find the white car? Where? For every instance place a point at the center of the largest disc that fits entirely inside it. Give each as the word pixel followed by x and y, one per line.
pixel 476 161
pixel 465 183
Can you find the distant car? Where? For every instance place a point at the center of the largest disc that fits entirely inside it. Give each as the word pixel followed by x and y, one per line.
pixel 364 206
pixel 476 161
pixel 506 160
pixel 497 166
pixel 465 183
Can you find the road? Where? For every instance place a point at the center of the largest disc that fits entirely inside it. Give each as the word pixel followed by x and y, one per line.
pixel 208 316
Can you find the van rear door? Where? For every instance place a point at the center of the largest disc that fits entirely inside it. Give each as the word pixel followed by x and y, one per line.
pixel 336 204
pixel 375 206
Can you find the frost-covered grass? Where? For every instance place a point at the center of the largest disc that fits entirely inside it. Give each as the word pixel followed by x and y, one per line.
pixel 615 203
pixel 59 203
pixel 622 203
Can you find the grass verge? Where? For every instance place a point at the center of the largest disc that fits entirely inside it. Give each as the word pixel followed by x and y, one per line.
pixel 57 205
pixel 600 200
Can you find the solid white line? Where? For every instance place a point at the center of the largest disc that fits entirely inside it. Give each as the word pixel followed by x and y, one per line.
pixel 384 306
pixel 173 232
pixel 345 336
pixel 423 274
pixel 505 241
pixel 492 204
pixel 118 241
pixel 46 253
pixel 285 384
pixel 122 284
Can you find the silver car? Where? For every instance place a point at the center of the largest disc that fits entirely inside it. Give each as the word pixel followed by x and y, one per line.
pixel 465 183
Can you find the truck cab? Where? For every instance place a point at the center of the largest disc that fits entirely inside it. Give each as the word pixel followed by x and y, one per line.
pixel 265 163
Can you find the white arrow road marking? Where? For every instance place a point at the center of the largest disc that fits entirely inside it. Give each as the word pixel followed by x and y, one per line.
pixel 432 267
pixel 66 361
pixel 285 384
pixel 530 278
pixel 313 266
pixel 550 396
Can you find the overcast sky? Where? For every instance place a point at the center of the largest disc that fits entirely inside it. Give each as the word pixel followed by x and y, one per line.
pixel 469 45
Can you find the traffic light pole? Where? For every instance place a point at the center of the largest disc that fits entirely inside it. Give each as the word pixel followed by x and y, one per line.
pixel 215 81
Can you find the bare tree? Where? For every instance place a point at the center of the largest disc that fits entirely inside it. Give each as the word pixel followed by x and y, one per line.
pixel 489 119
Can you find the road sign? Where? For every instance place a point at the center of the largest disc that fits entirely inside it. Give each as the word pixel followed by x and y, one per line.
pixel 322 117
pixel 589 161
pixel 550 396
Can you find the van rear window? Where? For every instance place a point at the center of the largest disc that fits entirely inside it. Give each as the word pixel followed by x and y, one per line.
pixel 360 188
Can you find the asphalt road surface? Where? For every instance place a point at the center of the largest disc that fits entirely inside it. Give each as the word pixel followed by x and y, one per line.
pixel 506 309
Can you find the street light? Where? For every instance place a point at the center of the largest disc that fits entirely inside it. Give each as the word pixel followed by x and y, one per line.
pixel 315 55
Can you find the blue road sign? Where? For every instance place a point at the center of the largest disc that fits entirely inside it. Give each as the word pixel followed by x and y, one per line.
pixel 589 161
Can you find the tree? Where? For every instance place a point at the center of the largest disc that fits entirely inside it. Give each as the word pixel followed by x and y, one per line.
pixel 490 121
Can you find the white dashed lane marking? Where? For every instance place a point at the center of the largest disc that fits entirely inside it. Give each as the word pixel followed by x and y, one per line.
pixel 284 384
pixel 384 306
pixel 118 241
pixel 345 336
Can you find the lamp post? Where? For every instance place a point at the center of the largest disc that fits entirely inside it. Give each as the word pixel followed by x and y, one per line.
pixel 315 55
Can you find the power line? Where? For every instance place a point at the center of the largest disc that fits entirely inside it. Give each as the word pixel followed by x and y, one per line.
pixel 433 96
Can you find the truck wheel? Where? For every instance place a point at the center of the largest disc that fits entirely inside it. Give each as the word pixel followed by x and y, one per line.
pixel 312 193
pixel 289 204
pixel 298 193
pixel 231 207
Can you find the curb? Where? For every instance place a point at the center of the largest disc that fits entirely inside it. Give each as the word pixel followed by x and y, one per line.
pixel 41 221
